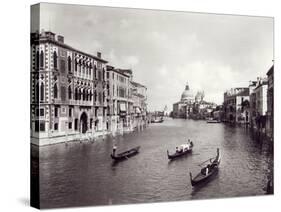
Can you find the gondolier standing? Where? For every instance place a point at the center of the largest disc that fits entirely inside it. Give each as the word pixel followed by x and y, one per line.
pixel 114 149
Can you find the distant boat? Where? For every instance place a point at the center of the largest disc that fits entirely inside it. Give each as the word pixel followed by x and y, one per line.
pixel 157 120
pixel 206 172
pixel 126 154
pixel 213 121
pixel 182 150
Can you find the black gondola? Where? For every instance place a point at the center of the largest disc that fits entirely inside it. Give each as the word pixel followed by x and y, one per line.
pixel 206 172
pixel 185 148
pixel 125 154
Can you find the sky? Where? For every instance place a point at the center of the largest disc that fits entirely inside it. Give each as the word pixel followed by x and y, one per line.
pixel 167 49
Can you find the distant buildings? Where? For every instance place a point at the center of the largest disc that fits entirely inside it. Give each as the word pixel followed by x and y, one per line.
pixel 183 108
pixel 235 105
pixel 191 106
pixel 139 95
pixel 252 105
pixel 75 95
pixel 270 103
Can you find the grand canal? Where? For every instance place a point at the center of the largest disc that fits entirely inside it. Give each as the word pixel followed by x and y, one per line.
pixel 81 174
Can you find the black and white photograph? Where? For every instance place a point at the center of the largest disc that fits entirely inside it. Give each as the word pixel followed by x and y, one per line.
pixel 143 105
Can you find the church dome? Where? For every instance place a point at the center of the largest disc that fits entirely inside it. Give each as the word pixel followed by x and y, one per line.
pixel 187 94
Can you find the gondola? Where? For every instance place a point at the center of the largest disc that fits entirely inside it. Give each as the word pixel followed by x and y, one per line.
pixel 207 172
pixel 213 121
pixel 184 149
pixel 126 154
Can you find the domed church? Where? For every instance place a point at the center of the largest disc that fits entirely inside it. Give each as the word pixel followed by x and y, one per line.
pixel 183 108
pixel 187 95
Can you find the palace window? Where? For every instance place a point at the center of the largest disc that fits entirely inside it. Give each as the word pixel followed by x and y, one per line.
pixel 100 97
pixel 91 123
pixel 76 94
pixel 95 96
pixel 84 94
pixel 37 112
pixel 69 64
pixel 42 126
pixel 55 91
pixel 39 126
pixel 95 71
pixel 76 124
pixel 76 64
pixel 70 112
pixel 70 125
pixel 36 126
pixel 91 95
pixel 56 126
pixel 56 111
pixel 41 59
pixel 42 91
pixel 69 92
pixel 55 60
pixel 42 112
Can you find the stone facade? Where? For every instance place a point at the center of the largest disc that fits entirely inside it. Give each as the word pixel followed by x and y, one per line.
pixel 235 106
pixel 183 108
pixel 73 95
pixel 270 104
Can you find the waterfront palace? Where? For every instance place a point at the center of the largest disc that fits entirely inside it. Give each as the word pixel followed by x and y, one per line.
pixel 76 95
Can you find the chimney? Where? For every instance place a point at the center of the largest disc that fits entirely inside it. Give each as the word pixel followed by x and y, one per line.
pixel 60 39
pixel 98 54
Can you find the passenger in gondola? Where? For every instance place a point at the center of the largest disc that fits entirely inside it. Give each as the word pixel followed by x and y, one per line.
pixel 207 170
pixel 191 143
pixel 177 150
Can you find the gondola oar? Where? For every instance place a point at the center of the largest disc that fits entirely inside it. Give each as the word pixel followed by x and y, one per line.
pixel 206 161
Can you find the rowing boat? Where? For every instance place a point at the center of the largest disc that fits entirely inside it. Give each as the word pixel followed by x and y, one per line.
pixel 126 154
pixel 207 172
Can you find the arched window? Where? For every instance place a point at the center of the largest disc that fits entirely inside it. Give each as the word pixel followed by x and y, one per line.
pixel 76 64
pixel 55 91
pixel 55 60
pixel 84 94
pixel 95 96
pixel 37 92
pixel 80 94
pixel 69 92
pixel 76 94
pixel 41 60
pixel 37 60
pixel 90 95
pixel 42 91
pixel 69 64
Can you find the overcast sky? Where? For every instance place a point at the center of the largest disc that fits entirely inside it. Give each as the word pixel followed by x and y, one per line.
pixel 166 49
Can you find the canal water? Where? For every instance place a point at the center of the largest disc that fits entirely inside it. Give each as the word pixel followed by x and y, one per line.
pixel 80 174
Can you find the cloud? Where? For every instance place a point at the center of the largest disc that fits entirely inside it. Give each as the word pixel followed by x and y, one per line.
pixel 166 49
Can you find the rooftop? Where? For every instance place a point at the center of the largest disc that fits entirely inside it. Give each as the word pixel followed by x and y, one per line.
pixel 50 37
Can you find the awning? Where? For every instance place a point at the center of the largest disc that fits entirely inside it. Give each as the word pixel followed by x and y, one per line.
pixel 122 107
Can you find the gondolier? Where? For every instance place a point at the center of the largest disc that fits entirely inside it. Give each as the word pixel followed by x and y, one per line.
pixel 124 155
pixel 114 149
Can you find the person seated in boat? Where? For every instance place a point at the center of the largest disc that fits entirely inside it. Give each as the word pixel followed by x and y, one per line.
pixel 179 150
pixel 207 169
